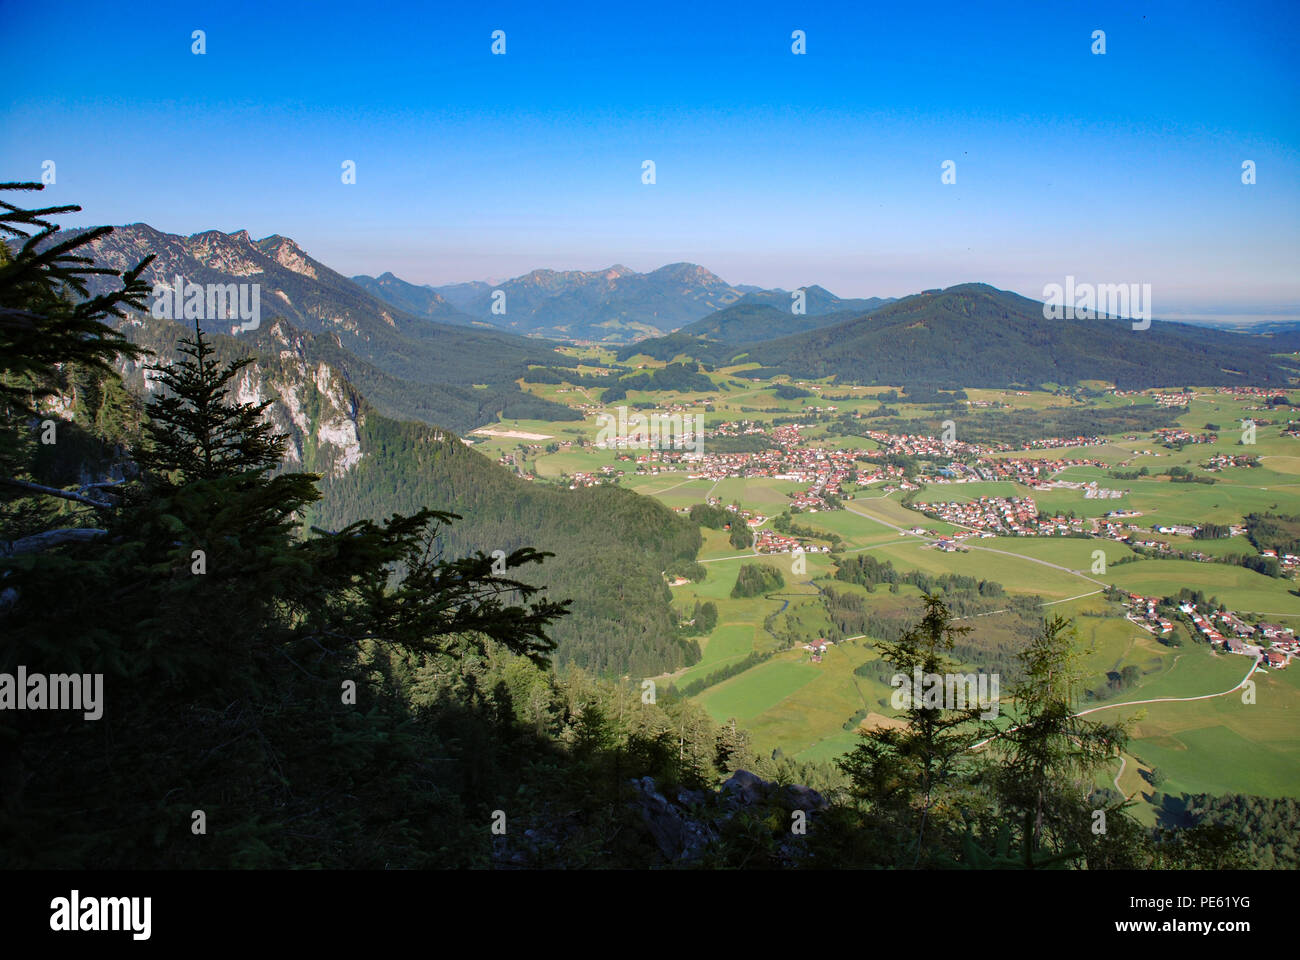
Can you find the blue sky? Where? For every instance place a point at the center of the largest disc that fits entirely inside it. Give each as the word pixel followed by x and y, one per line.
pixel 772 169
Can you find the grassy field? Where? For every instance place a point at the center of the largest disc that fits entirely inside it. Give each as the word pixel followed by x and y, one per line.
pixel 1223 745
pixel 802 708
pixel 1239 588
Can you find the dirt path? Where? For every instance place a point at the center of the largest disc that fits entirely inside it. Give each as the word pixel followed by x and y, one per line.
pixel 1135 703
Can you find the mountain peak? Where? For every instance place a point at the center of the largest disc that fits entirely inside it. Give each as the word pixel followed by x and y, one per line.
pixel 687 270
pixel 288 254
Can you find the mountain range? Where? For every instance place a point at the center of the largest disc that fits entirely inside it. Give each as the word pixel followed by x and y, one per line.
pixel 614 306
pixel 447 373
pixel 433 353
pixel 976 335
pixel 348 373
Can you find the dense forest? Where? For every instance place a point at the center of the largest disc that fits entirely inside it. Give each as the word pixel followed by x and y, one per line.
pixel 1266 823
pixel 620 621
pixel 1270 531
pixel 610 545
pixel 866 571
pixel 756 579
pixel 683 377
pixel 681 344
pixel 1019 426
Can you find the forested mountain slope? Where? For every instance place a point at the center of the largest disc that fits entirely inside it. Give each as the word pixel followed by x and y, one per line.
pixel 976 335
pixel 610 545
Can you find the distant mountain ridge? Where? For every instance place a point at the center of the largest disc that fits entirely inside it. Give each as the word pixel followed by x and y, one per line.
pixel 616 305
pixel 976 335
pixel 817 301
pixel 417 300
pixel 446 373
pixel 766 316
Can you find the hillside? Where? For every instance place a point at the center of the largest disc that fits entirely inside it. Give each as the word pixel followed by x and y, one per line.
pixel 977 335
pixel 372 466
pixel 818 301
pixel 750 321
pixel 409 365
pixel 417 300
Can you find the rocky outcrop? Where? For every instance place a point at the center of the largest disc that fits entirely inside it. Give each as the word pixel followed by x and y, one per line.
pixel 685 826
pixel 747 819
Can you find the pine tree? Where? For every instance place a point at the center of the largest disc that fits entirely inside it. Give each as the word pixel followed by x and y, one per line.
pixel 915 778
pixel 49 327
pixel 195 431
pixel 1049 753
pixel 41 325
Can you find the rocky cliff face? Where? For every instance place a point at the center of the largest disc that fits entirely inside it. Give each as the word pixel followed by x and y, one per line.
pixel 684 827
pixel 311 402
pixel 424 367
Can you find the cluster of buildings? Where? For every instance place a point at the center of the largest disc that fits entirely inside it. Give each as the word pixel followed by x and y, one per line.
pixel 738 428
pixel 1053 443
pixel 1222 461
pixel 1030 472
pixel 606 475
pixel 917 445
pixel 922 446
pixel 1288 561
pixel 769 541
pixel 1142 611
pixel 1161 397
pixel 1271 642
pixel 1179 435
pixel 825 471
pixel 1015 515
pixel 1249 391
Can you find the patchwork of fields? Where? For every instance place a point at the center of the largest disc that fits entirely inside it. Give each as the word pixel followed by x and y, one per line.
pixel 811 709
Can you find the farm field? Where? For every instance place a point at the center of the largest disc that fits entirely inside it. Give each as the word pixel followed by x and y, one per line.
pixel 1223 745
pixel 812 711
pixel 1238 587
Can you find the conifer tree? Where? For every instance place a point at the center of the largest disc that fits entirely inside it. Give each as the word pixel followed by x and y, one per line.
pixel 1049 753
pixel 50 326
pixel 196 430
pixel 913 779
pixel 47 316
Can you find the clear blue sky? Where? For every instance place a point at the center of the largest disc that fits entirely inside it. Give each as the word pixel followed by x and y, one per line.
pixel 772 169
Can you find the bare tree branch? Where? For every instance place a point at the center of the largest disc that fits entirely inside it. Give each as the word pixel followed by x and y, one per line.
pixel 55 492
pixel 50 538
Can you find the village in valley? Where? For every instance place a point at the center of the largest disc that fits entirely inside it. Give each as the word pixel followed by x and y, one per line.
pixel 1169 538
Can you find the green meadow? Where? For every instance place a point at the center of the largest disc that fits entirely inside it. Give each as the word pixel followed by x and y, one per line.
pixel 806 710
